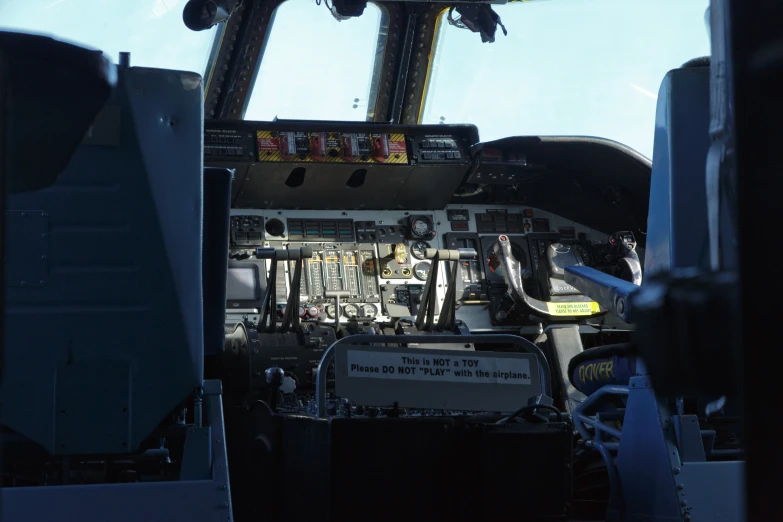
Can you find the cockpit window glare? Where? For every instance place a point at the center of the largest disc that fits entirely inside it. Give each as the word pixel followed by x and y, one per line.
pixel 151 30
pixel 315 67
pixel 566 67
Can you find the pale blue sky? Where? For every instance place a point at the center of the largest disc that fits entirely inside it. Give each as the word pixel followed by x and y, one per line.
pixel 152 30
pixel 581 67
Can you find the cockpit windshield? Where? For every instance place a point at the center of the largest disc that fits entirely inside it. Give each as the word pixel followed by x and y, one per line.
pixel 151 30
pixel 316 67
pixel 566 67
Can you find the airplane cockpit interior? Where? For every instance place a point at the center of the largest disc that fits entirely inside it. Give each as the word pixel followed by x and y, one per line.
pixel 342 260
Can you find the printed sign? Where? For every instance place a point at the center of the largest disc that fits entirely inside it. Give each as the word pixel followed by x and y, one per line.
pixel 457 380
pixel 466 368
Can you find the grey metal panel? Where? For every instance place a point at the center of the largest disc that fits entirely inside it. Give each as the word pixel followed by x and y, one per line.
pixel 76 406
pixel 207 500
pixel 27 244
pixel 427 379
pixel 713 491
pixel 147 501
pixel 120 216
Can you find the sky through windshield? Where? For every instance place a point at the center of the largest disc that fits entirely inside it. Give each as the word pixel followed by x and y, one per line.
pixel 315 67
pixel 579 67
pixel 567 67
pixel 152 30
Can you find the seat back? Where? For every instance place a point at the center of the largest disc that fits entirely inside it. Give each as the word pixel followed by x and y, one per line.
pixel 217 207
pixel 103 327
pixel 677 232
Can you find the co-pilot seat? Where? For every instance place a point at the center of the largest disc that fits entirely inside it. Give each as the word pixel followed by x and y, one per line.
pixel 677 233
pixel 691 478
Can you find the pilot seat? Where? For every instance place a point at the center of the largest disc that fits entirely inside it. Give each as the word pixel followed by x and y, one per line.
pixel 105 411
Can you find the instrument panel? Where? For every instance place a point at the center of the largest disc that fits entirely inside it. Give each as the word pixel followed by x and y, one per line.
pixel 378 258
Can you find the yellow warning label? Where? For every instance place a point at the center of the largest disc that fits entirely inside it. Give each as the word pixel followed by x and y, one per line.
pixel 571 309
pixel 331 147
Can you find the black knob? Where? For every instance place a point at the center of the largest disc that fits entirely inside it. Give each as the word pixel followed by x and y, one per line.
pixel 274 227
pixel 274 376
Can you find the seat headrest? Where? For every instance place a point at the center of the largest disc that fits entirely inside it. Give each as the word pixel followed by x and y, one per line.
pixel 703 61
pixel 597 367
pixel 677 232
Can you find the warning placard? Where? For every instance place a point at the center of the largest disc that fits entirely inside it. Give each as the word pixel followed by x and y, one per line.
pixel 573 309
pixel 416 367
pixel 436 379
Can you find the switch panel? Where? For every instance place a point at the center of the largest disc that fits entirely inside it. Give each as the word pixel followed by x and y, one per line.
pixel 247 231
pixel 499 222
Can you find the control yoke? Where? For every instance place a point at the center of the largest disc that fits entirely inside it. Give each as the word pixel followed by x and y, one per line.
pixel 269 303
pixel 623 249
pixel 447 320
pixel 612 293
pixel 514 276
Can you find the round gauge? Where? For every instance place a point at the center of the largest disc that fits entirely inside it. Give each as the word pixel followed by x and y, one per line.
pixel 421 271
pixel 369 311
pixel 421 227
pixel 330 311
pixel 351 311
pixel 419 249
